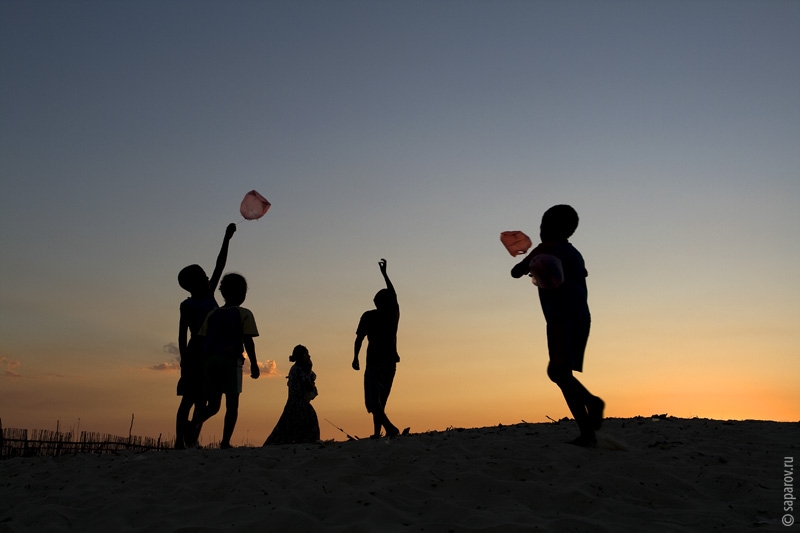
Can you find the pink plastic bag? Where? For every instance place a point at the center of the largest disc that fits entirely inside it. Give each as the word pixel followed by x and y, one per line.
pixel 516 242
pixel 254 206
pixel 547 271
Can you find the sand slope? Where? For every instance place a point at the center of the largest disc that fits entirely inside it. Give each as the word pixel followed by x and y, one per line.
pixel 672 475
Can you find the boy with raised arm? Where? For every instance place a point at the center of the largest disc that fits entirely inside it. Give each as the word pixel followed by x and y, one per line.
pixel 379 326
pixel 193 312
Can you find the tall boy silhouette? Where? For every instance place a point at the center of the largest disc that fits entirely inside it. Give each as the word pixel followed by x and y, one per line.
pixel 193 312
pixel 379 326
pixel 566 310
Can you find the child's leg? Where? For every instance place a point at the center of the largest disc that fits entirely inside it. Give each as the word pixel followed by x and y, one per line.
pixel 212 407
pixel 377 422
pixel 182 421
pixel 594 404
pixel 202 411
pixel 385 387
pixel 565 341
pixel 571 388
pixel 199 407
pixel 205 410
pixel 379 419
pixel 196 425
pixel 391 429
pixel 231 414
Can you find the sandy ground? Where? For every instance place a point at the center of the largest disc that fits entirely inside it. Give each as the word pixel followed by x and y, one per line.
pixel 647 475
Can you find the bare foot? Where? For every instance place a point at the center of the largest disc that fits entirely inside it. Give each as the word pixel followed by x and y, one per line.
pixel 595 410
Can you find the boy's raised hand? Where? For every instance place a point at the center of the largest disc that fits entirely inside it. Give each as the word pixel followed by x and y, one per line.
pixel 222 258
pixel 230 230
pixel 382 265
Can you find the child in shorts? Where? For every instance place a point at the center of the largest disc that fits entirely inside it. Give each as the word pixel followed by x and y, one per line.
pixel 227 332
pixel 566 311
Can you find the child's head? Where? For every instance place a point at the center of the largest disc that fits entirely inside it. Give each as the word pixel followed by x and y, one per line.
pixel 383 299
pixel 300 353
pixel 233 288
pixel 193 279
pixel 558 222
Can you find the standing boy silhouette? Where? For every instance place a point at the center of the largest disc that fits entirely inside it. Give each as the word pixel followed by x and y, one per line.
pixel 379 326
pixel 227 331
pixel 193 312
pixel 566 310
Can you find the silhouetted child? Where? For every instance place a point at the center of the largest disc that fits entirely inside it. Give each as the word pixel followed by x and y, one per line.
pixel 193 312
pixel 298 422
pixel 566 311
pixel 379 326
pixel 227 332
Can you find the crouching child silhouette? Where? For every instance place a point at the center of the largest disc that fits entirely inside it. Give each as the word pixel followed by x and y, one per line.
pixel 227 331
pixel 566 311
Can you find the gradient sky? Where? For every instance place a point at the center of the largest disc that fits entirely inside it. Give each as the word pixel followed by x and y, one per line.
pixel 415 131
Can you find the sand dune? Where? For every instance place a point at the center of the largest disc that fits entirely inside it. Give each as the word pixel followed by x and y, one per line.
pixel 648 475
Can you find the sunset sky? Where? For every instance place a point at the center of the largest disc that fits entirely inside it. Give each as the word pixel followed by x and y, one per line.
pixel 414 131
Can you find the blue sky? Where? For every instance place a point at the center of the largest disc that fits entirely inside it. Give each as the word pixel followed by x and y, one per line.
pixel 415 131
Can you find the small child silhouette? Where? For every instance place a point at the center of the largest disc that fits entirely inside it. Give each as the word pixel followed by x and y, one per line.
pixel 227 331
pixel 298 422
pixel 193 312
pixel 566 311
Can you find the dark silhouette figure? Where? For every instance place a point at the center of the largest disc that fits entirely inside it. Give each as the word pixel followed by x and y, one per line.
pixel 298 423
pixel 227 332
pixel 379 326
pixel 566 311
pixel 193 312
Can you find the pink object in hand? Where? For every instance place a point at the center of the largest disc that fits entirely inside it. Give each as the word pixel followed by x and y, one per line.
pixel 516 242
pixel 547 271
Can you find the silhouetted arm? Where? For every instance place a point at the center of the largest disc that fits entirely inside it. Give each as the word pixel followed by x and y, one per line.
pixel 382 265
pixel 183 343
pixel 222 258
pixel 250 348
pixel 357 350
pixel 523 267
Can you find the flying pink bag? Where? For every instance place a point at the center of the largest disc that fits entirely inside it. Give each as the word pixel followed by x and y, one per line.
pixel 516 242
pixel 254 206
